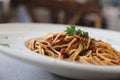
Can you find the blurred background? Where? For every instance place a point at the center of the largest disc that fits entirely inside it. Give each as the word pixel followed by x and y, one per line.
pixel 93 13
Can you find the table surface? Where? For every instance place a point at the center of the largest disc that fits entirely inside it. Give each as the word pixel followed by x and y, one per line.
pixel 12 69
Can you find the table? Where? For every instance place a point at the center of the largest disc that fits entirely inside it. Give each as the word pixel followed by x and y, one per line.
pixel 12 69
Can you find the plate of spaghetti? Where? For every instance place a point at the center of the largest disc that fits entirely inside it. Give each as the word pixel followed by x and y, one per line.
pixel 67 50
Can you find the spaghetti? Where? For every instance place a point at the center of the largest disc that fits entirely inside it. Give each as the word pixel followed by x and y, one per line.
pixel 75 47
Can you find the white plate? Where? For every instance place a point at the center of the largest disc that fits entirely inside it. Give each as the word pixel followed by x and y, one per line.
pixel 16 34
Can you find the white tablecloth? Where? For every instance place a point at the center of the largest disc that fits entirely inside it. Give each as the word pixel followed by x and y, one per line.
pixel 12 69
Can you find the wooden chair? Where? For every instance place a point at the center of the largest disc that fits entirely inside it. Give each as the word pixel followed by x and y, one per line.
pixel 55 6
pixel 88 8
pixel 5 10
pixel 73 11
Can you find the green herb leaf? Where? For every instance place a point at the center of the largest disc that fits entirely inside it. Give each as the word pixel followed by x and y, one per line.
pixel 83 33
pixel 71 30
pixel 92 41
pixel 6 37
pixel 7 45
pixel 84 46
pixel 78 31
pixel 81 38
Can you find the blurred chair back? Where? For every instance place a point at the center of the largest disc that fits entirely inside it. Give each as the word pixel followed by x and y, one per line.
pixel 5 12
pixel 73 11
pixel 86 9
pixel 55 7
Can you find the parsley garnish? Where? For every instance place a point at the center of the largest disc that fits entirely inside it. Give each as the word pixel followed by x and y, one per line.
pixel 6 37
pixel 78 31
pixel 7 45
pixel 71 30
pixel 84 46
